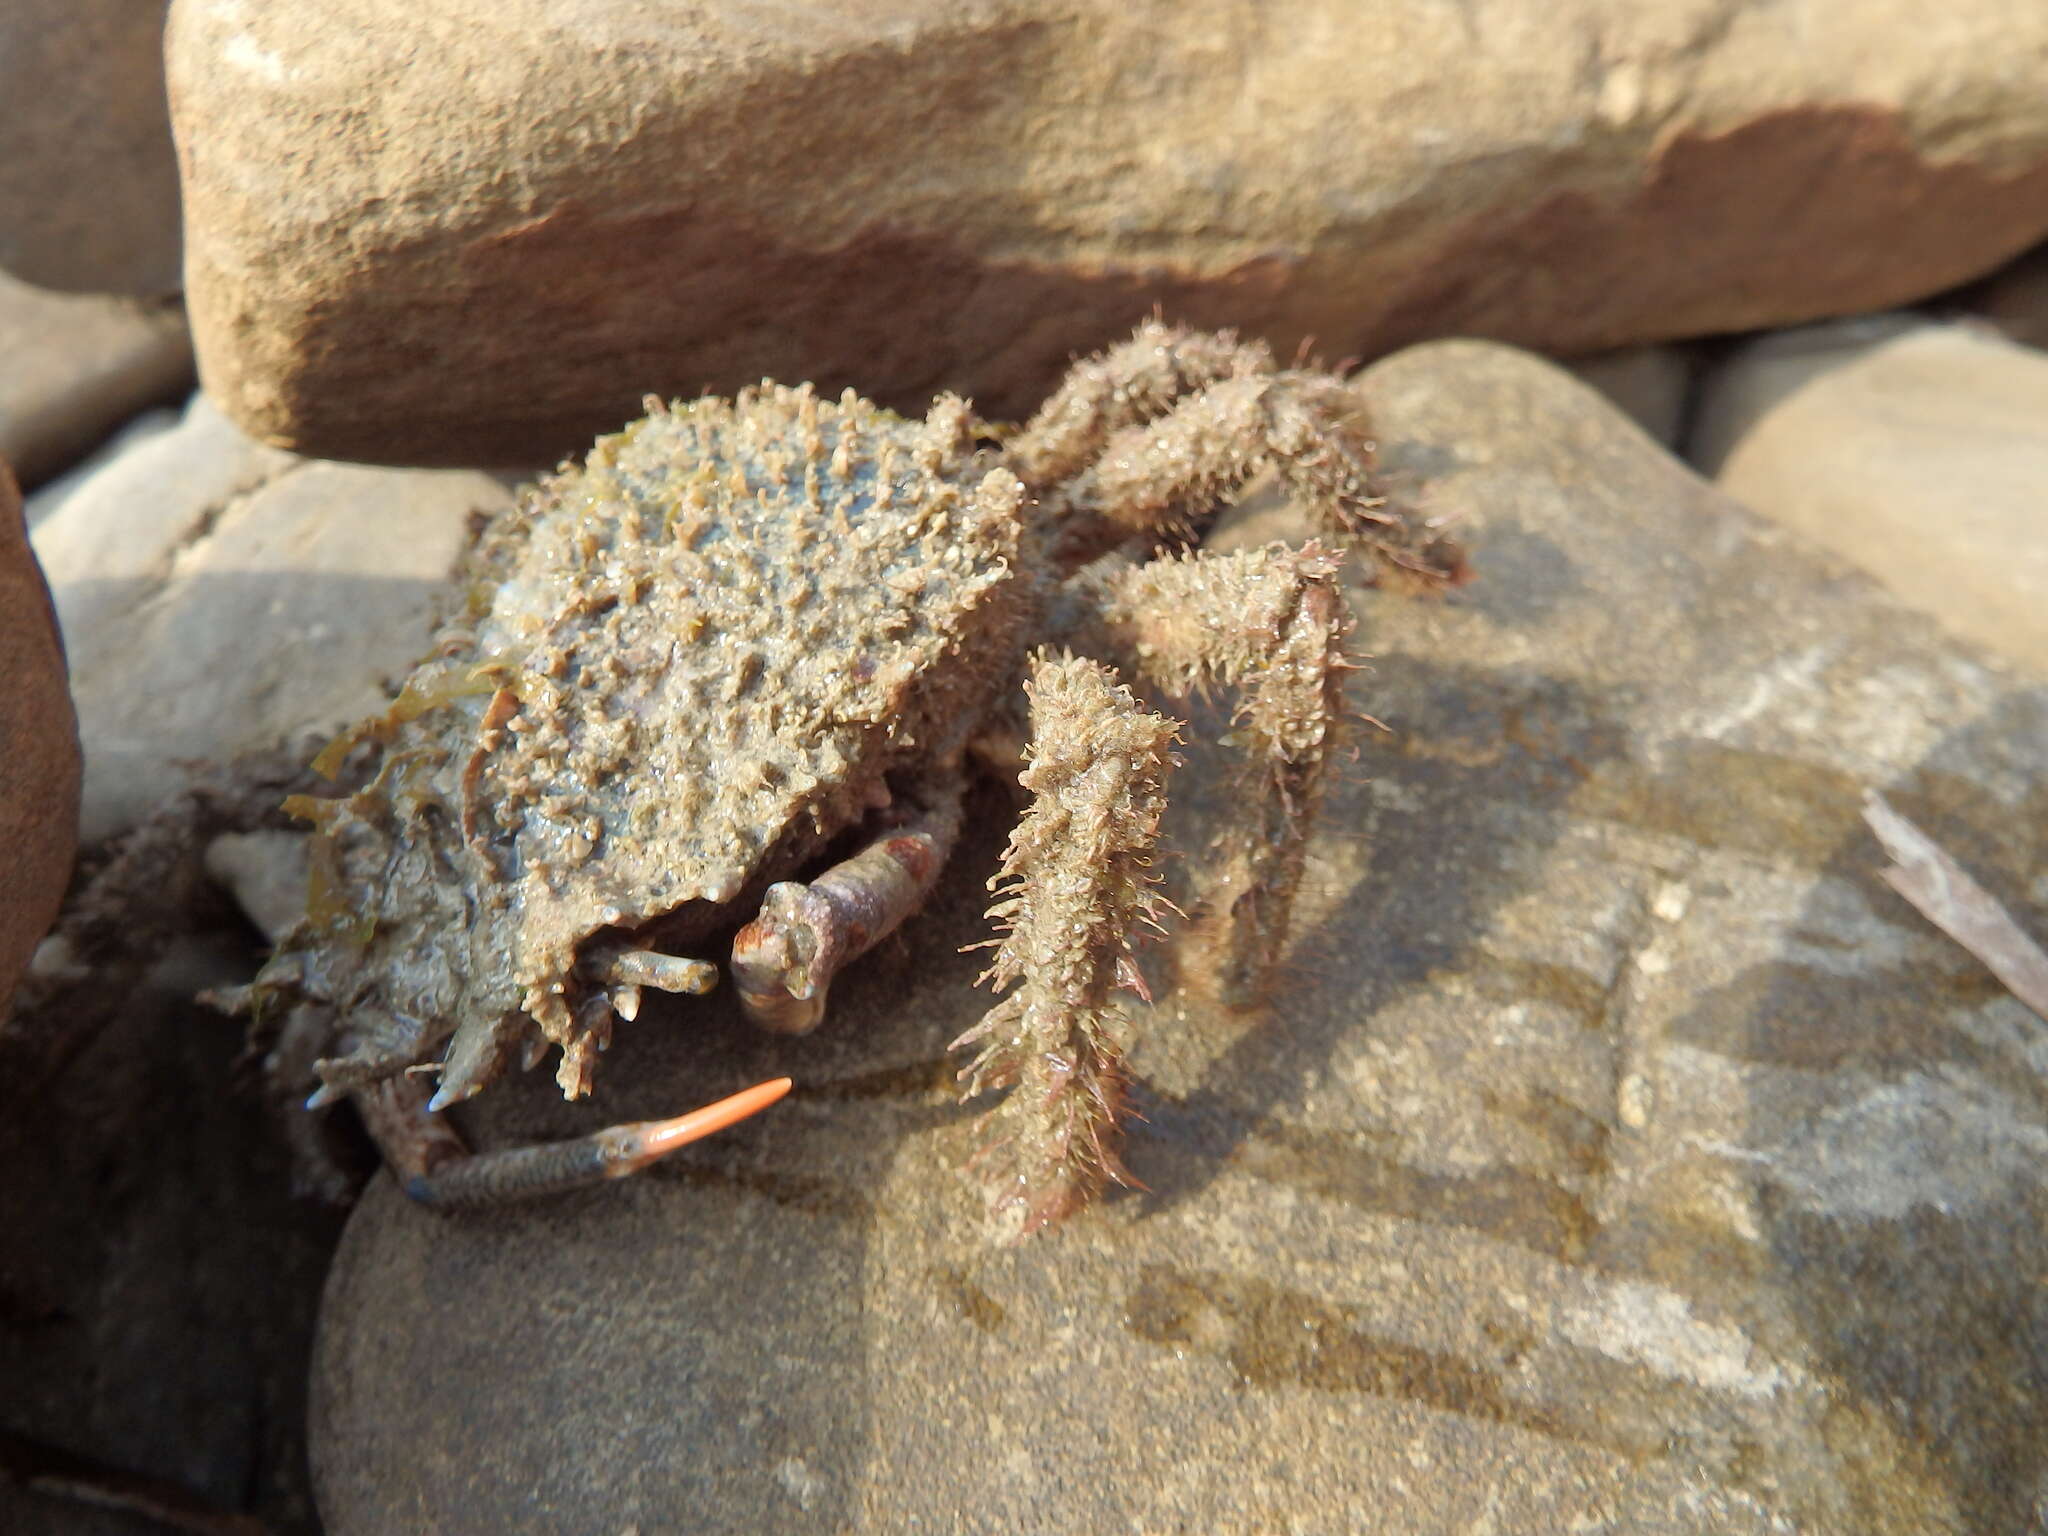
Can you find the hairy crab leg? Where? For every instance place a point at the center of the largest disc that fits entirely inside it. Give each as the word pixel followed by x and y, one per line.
pixel 1270 623
pixel 785 959
pixel 435 1168
pixel 1077 884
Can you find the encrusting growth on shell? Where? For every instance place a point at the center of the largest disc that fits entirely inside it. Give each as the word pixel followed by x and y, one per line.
pixel 1076 884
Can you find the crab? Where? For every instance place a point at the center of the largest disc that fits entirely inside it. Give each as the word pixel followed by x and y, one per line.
pixel 730 676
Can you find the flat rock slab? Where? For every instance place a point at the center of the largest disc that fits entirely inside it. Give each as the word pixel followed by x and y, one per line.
pixel 440 231
pixel 1619 1154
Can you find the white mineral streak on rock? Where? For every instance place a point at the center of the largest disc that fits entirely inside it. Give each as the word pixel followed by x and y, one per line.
pixel 1654 1327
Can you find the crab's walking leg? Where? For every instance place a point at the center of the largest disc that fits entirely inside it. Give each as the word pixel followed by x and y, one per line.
pixel 1270 622
pixel 1075 886
pixel 785 959
pixel 436 1169
pixel 1163 460
pixel 1127 385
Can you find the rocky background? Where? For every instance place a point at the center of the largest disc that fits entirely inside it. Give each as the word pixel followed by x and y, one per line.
pixel 1621 1155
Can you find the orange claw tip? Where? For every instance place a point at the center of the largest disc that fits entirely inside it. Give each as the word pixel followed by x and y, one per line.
pixel 654 1139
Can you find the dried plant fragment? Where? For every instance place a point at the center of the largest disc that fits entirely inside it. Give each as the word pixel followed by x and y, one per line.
pixel 1947 897
pixel 1075 884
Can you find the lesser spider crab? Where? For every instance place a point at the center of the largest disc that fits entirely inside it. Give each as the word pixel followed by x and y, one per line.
pixel 742 628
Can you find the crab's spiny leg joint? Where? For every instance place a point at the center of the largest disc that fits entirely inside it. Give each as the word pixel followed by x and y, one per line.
pixel 785 959
pixel 521 1173
pixel 1316 441
pixel 1180 424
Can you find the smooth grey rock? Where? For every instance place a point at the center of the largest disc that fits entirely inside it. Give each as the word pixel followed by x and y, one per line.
pixel 1917 450
pixel 134 432
pixel 88 175
pixel 219 597
pixel 1618 1154
pixel 77 367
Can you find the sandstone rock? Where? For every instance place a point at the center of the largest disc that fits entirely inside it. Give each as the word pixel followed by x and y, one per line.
pixel 88 177
pixel 1919 451
pixel 551 210
pixel 38 751
pixel 77 366
pixel 219 596
pixel 1620 1154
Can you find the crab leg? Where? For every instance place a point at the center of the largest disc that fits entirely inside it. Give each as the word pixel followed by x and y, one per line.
pixel 1272 624
pixel 1127 385
pixel 1158 434
pixel 436 1169
pixel 1076 886
pixel 785 959
pixel 628 970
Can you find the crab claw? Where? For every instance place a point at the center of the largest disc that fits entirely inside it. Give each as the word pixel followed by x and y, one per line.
pixel 493 1178
pixel 783 961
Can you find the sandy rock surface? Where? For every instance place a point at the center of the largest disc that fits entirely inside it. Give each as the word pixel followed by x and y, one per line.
pixel 219 596
pixel 88 176
pixel 39 763
pixel 1917 450
pixel 459 233
pixel 1620 1154
pixel 78 365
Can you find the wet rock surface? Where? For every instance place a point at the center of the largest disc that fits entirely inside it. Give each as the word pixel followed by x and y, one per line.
pixel 564 206
pixel 1917 450
pixel 1619 1153
pixel 221 597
